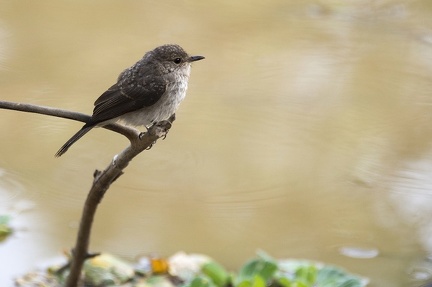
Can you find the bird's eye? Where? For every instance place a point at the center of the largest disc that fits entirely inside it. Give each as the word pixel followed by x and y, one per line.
pixel 177 60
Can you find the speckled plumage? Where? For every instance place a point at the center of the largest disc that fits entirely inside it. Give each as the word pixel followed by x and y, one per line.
pixel 145 93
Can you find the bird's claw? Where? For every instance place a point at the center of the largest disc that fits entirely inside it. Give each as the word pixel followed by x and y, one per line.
pixel 150 146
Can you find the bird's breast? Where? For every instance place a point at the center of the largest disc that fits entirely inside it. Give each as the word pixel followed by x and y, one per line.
pixel 164 108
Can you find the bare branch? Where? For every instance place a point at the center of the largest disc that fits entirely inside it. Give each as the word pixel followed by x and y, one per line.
pixel 101 183
pixel 29 108
pixel 102 179
pixel 128 132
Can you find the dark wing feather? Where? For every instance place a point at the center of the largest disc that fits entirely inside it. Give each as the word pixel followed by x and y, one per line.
pixel 106 95
pixel 123 98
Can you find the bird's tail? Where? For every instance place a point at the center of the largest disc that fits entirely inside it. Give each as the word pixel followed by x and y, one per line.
pixel 85 129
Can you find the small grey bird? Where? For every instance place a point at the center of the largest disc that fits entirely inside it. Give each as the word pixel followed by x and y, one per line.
pixel 148 92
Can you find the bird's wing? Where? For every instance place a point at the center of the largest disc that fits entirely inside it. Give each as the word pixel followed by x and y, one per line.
pixel 121 99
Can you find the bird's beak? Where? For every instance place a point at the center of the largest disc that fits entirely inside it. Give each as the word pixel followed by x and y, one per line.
pixel 195 58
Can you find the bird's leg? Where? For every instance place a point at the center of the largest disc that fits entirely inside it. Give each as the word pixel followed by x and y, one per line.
pixel 143 133
pixel 171 119
pixel 165 123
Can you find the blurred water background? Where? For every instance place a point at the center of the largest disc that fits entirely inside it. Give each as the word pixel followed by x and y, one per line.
pixel 306 132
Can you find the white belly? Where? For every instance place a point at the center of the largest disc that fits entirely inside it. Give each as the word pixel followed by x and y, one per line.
pixel 163 109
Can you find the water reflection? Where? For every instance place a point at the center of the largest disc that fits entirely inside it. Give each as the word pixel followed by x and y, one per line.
pixel 412 197
pixel 306 130
pixel 10 188
pixel 359 252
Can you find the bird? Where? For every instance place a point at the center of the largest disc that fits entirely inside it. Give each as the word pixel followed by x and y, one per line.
pixel 148 92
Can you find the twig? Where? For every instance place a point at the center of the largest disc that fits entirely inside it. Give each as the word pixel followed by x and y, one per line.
pixel 128 132
pixel 29 108
pixel 101 183
pixel 102 179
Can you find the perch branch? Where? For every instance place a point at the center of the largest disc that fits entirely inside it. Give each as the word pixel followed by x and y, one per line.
pixel 102 179
pixel 101 183
pixel 128 132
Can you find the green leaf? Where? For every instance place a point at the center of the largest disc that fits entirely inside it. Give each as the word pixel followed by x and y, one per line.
pixel 330 276
pixel 5 228
pixel 284 282
pixel 306 275
pixel 258 281
pixel 201 281
pixel 266 269
pixel 309 273
pixel 244 283
pixel 216 273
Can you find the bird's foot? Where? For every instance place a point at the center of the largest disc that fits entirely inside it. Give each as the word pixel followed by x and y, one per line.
pixel 158 129
pixel 142 134
pixel 165 126
pixel 150 146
